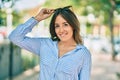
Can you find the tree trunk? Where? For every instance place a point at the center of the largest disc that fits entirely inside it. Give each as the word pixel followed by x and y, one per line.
pixel 111 17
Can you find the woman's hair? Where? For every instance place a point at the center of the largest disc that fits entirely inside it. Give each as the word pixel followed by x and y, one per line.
pixel 71 18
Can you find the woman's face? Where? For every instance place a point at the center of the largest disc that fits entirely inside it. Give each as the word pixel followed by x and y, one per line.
pixel 63 30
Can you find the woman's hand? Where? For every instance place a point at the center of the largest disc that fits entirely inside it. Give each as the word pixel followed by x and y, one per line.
pixel 43 14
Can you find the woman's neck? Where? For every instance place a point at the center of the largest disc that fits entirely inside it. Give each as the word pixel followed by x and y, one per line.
pixel 68 43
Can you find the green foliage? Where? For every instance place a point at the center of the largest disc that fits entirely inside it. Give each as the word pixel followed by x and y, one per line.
pixel 2 18
pixel 117 3
pixel 29 61
pixel 118 75
pixel 118 10
pixel 16 17
pixel 57 3
pixel 6 0
pixel 89 28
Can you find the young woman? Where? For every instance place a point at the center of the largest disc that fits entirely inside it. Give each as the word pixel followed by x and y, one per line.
pixel 62 56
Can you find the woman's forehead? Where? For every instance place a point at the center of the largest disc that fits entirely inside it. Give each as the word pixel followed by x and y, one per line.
pixel 59 18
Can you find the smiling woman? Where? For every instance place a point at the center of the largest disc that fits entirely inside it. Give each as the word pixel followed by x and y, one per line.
pixel 69 20
pixel 63 56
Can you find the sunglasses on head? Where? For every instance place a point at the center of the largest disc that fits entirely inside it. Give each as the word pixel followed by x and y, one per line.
pixel 63 9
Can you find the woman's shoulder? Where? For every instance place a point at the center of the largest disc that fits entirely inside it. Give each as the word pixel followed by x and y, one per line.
pixel 83 50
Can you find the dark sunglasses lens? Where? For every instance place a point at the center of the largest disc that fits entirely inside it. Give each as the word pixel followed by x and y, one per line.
pixel 62 9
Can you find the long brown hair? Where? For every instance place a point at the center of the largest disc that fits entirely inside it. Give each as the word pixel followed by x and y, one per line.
pixel 71 18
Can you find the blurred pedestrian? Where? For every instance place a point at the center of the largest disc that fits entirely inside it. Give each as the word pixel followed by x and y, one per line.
pixel 62 56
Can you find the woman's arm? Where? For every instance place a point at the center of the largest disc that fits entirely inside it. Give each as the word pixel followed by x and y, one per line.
pixel 85 72
pixel 18 37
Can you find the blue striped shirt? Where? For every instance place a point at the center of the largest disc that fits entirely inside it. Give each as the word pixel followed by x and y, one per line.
pixel 74 65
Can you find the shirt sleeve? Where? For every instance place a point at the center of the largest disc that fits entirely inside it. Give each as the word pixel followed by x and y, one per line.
pixel 84 73
pixel 18 37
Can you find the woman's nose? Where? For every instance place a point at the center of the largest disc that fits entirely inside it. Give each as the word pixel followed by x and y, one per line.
pixel 61 29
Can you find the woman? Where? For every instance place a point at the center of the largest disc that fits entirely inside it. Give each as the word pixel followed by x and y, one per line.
pixel 63 56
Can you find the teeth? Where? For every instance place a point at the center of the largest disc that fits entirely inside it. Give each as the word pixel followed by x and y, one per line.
pixel 62 35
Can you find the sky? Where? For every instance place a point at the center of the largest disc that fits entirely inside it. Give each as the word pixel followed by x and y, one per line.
pixel 26 4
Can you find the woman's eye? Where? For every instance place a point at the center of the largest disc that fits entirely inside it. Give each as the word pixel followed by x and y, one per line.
pixel 66 24
pixel 56 26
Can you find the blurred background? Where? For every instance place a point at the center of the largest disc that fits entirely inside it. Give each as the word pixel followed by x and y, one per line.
pixel 100 29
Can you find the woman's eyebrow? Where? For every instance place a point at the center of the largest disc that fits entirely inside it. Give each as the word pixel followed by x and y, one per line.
pixel 65 22
pixel 56 23
pixel 62 23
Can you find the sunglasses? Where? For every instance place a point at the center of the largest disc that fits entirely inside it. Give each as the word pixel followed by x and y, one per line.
pixel 63 9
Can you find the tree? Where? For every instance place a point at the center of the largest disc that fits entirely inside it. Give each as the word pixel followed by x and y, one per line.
pixel 108 7
pixel 16 14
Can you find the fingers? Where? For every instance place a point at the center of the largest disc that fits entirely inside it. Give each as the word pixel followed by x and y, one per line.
pixel 48 11
pixel 44 13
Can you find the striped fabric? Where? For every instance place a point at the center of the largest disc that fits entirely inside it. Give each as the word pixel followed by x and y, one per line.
pixel 74 65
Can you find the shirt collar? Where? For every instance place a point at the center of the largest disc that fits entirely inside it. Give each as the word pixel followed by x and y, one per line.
pixel 79 46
